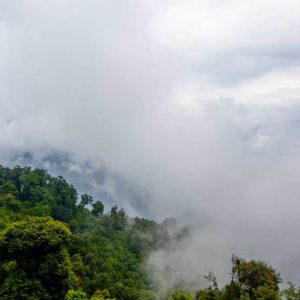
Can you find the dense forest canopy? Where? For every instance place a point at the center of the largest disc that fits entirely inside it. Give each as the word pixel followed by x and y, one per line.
pixel 57 245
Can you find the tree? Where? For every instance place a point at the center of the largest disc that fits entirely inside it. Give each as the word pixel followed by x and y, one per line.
pixel 251 280
pixel 39 192
pixel 34 261
pixel 86 200
pixel 181 295
pixel 7 187
pixel 11 202
pixel 209 294
pixel 76 295
pixel 114 210
pixel 291 292
pixel 98 208
pixel 102 295
pixel 256 278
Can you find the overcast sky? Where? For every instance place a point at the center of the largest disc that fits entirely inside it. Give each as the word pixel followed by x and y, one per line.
pixel 188 108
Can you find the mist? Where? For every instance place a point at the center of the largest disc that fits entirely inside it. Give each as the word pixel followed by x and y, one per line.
pixel 184 109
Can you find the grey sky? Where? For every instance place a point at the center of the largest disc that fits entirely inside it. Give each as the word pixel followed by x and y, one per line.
pixel 193 105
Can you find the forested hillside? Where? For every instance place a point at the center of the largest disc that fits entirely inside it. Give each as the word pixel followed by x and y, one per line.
pixel 57 245
pixel 54 241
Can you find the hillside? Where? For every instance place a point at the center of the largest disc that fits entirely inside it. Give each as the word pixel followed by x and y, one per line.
pixel 57 245
pixel 106 250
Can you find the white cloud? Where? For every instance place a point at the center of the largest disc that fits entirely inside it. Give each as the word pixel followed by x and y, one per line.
pixel 195 103
pixel 230 40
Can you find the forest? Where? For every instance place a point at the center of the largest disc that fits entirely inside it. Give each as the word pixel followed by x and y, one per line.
pixel 56 244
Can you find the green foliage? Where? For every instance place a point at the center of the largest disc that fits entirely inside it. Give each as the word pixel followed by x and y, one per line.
pixel 265 292
pixel 102 295
pixel 76 295
pixel 34 261
pixel 256 278
pixel 7 187
pixel 209 294
pixel 38 192
pixel 251 280
pixel 98 208
pixel 147 295
pixel 5 216
pixel 23 237
pixel 181 295
pixel 18 287
pixel 291 292
pixel 86 200
pixel 39 210
pixel 10 201
pixel 232 291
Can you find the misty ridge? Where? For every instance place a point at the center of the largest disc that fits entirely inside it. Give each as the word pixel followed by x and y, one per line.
pixel 55 244
pixel 116 116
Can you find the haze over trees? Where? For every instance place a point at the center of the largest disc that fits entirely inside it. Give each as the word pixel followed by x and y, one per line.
pixel 56 245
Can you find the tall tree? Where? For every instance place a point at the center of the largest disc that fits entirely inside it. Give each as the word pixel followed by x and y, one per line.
pixel 98 208
pixel 34 261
